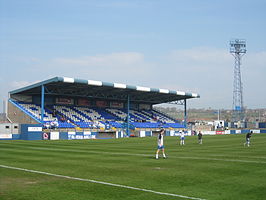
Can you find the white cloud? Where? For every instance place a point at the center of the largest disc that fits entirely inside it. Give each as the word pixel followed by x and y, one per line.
pixel 202 70
pixel 209 72
pixel 124 67
pixel 255 60
pixel 201 67
pixel 200 55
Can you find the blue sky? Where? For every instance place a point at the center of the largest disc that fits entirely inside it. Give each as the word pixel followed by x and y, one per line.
pixel 172 44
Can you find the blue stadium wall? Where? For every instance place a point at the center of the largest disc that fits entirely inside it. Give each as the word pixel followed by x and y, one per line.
pixel 262 125
pixel 35 132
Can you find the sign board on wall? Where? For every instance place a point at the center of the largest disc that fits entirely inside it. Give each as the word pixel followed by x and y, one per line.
pixel 88 135
pixel 227 132
pixel 71 135
pixel 46 136
pixel 54 136
pixel 84 102
pixel 142 134
pixel 64 100
pixel 101 104
pixel 219 132
pixel 6 136
pixel 255 131
pixel 81 135
pixel 35 129
pixel 208 132
pixel 114 104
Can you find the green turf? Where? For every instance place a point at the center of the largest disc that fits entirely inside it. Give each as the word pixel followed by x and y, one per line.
pixel 220 168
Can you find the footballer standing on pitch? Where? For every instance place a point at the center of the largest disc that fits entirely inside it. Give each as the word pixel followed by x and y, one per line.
pixel 200 137
pixel 248 138
pixel 160 144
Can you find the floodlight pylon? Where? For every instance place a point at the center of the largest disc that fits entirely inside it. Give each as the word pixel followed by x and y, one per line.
pixel 238 50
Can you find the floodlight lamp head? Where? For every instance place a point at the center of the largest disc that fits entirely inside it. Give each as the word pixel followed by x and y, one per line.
pixel 238 46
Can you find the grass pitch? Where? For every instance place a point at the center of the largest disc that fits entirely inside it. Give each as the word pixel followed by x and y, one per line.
pixel 220 168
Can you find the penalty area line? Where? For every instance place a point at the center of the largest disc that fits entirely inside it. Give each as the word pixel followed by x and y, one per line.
pixel 99 182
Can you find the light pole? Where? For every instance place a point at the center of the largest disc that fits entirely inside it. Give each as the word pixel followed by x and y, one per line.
pixel 238 50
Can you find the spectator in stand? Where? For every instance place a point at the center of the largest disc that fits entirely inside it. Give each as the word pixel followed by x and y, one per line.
pixel 47 125
pixel 54 124
pixel 54 113
pixel 63 119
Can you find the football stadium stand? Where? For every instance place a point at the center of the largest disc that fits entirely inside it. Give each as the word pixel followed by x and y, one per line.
pixel 87 117
pixel 70 103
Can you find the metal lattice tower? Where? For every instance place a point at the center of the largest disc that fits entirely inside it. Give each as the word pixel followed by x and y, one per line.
pixel 238 49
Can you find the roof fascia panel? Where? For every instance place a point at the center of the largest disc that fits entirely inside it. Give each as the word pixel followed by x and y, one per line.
pixel 55 79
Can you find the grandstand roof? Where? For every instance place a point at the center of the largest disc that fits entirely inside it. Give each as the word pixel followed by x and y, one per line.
pixel 63 86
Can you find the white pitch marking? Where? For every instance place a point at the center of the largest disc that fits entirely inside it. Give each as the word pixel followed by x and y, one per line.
pixel 99 182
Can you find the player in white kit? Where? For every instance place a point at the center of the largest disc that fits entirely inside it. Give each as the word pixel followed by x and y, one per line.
pixel 182 138
pixel 160 144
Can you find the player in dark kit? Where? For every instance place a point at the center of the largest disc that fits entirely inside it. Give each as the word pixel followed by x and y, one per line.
pixel 248 136
pixel 200 138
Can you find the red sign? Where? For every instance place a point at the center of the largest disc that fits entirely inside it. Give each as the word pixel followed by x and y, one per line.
pixel 219 132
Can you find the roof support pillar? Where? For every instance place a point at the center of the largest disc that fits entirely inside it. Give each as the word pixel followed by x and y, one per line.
pixel 128 117
pixel 42 104
pixel 185 113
